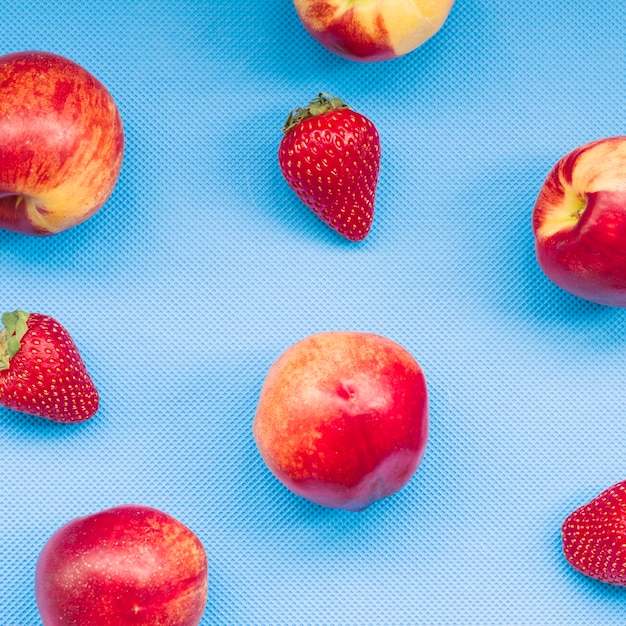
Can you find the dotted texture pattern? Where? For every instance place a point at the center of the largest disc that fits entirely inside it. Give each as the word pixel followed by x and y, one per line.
pixel 204 266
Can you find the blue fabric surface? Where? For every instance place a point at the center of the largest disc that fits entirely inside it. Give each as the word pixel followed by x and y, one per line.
pixel 203 267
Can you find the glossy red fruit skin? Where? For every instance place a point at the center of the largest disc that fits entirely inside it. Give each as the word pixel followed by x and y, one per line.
pixel 342 418
pixel 129 565
pixel 61 143
pixel 332 162
pixel 594 537
pixel 579 222
pixel 47 377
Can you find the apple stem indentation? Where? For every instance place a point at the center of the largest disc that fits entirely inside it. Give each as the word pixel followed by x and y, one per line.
pixel 321 104
pixel 15 328
pixel 577 214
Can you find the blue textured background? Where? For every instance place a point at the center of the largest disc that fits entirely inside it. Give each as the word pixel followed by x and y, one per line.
pixel 203 267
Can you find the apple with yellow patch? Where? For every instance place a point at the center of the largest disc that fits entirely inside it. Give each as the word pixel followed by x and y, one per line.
pixel 61 143
pixel 342 418
pixel 579 222
pixel 372 30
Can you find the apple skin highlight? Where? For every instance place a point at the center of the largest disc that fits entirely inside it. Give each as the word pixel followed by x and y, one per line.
pixel 579 222
pixel 342 418
pixel 61 143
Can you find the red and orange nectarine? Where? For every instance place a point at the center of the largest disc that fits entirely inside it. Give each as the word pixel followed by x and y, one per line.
pixel 129 565
pixel 342 418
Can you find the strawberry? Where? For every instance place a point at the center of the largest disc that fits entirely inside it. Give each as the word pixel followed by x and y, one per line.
pixel 330 156
pixel 41 372
pixel 594 536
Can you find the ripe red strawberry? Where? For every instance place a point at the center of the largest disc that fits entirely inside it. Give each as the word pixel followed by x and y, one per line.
pixel 594 536
pixel 330 156
pixel 41 372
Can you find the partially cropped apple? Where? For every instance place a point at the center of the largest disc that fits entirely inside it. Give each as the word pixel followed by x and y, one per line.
pixel 61 143
pixel 372 30
pixel 579 222
pixel 342 418
pixel 129 565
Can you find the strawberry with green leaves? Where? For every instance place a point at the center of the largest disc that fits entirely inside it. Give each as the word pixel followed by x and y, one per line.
pixel 41 371
pixel 330 156
pixel 594 536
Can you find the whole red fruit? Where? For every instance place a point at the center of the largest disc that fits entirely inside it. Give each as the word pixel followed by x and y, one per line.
pixel 330 156
pixel 342 418
pixel 579 222
pixel 61 143
pixel 41 370
pixel 127 565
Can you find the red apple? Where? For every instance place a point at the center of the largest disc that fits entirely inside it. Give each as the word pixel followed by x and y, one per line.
pixel 61 143
pixel 127 565
pixel 372 30
pixel 579 222
pixel 342 419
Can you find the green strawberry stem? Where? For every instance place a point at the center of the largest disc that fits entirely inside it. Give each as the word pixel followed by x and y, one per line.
pixel 318 106
pixel 10 336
